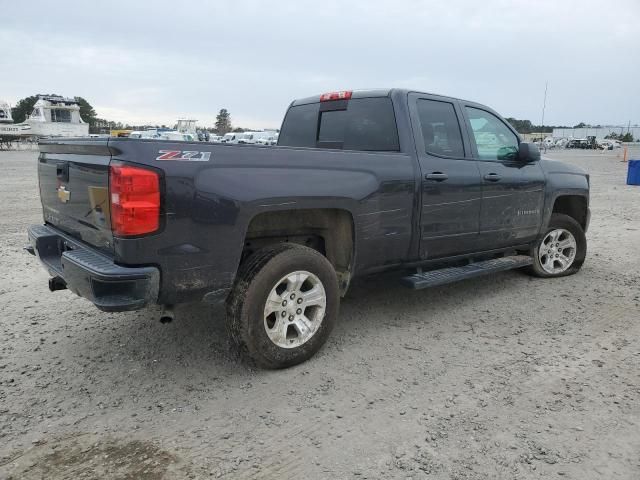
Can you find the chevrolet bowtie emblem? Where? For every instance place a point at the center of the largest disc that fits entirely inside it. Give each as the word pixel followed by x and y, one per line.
pixel 63 194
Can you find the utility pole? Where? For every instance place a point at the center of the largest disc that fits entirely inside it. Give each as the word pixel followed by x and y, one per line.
pixel 544 105
pixel 544 102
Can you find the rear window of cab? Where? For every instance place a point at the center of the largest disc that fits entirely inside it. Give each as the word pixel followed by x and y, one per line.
pixel 365 124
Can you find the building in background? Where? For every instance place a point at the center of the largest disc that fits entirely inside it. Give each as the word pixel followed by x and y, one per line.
pixel 598 132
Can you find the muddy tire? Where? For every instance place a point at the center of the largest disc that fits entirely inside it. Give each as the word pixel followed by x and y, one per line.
pixel 283 305
pixel 560 250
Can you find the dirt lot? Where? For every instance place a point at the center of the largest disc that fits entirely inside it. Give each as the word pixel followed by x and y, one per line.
pixel 501 377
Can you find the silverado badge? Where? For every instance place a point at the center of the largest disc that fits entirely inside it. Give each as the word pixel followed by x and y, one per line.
pixel 63 194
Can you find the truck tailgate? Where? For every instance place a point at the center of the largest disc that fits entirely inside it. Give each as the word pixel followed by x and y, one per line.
pixel 74 189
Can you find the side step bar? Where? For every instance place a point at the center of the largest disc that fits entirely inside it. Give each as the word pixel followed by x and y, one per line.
pixel 453 274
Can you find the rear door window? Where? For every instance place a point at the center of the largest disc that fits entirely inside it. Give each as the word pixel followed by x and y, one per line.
pixel 371 125
pixel 440 128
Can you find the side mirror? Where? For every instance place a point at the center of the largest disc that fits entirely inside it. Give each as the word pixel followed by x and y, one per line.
pixel 528 152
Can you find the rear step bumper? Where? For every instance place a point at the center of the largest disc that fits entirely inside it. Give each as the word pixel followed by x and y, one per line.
pixel 443 276
pixel 90 274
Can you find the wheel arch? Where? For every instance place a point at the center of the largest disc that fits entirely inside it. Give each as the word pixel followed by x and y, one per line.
pixel 575 206
pixel 330 231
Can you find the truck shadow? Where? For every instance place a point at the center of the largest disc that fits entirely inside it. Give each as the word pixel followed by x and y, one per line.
pixel 197 343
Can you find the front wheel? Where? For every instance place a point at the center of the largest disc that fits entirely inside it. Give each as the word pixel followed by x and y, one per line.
pixel 283 305
pixel 561 249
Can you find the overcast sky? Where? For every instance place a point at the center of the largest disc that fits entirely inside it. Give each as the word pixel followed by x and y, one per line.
pixel 154 61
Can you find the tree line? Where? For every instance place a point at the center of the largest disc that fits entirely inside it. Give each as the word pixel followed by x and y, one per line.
pixel 525 126
pixel 627 137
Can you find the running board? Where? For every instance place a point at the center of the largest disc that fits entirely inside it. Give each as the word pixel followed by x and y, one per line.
pixel 473 270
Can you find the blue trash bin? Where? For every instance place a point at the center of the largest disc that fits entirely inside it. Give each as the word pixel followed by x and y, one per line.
pixel 633 174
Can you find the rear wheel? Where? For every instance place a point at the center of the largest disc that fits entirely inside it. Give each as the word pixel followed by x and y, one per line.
pixel 561 250
pixel 284 305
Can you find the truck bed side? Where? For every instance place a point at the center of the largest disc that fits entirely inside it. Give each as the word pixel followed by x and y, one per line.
pixel 210 205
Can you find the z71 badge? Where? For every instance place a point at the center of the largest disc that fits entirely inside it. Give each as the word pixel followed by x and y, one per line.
pixel 184 156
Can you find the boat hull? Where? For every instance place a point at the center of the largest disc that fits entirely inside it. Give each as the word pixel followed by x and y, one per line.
pixel 15 130
pixel 42 129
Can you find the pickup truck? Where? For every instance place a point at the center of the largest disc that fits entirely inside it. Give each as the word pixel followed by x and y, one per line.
pixel 438 189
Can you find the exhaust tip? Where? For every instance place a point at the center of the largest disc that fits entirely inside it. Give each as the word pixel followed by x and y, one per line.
pixel 167 315
pixel 57 283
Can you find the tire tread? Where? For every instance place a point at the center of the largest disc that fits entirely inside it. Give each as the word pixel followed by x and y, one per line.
pixel 560 220
pixel 238 305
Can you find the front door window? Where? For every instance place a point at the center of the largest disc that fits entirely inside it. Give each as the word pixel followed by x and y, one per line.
pixel 494 140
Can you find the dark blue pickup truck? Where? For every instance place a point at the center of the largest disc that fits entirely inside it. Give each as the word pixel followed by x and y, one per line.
pixel 361 182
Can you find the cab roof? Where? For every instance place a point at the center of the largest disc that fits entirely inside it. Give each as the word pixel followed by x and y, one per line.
pixel 368 93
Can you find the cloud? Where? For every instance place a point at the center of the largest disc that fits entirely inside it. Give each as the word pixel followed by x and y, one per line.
pixel 157 61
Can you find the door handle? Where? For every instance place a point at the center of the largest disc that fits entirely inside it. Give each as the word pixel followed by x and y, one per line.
pixel 437 176
pixel 492 177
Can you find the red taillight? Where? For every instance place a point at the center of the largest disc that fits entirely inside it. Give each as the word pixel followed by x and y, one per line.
pixel 344 95
pixel 135 200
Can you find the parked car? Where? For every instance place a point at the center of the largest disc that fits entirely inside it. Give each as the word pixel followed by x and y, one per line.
pixel 269 139
pixel 436 188
pixel 230 137
pixel 144 134
pixel 245 138
pixel 588 143
pixel 178 136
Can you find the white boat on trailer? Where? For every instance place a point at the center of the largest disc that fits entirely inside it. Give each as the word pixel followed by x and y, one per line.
pixel 52 116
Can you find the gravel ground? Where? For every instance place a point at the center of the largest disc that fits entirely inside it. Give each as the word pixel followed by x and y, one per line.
pixel 500 377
